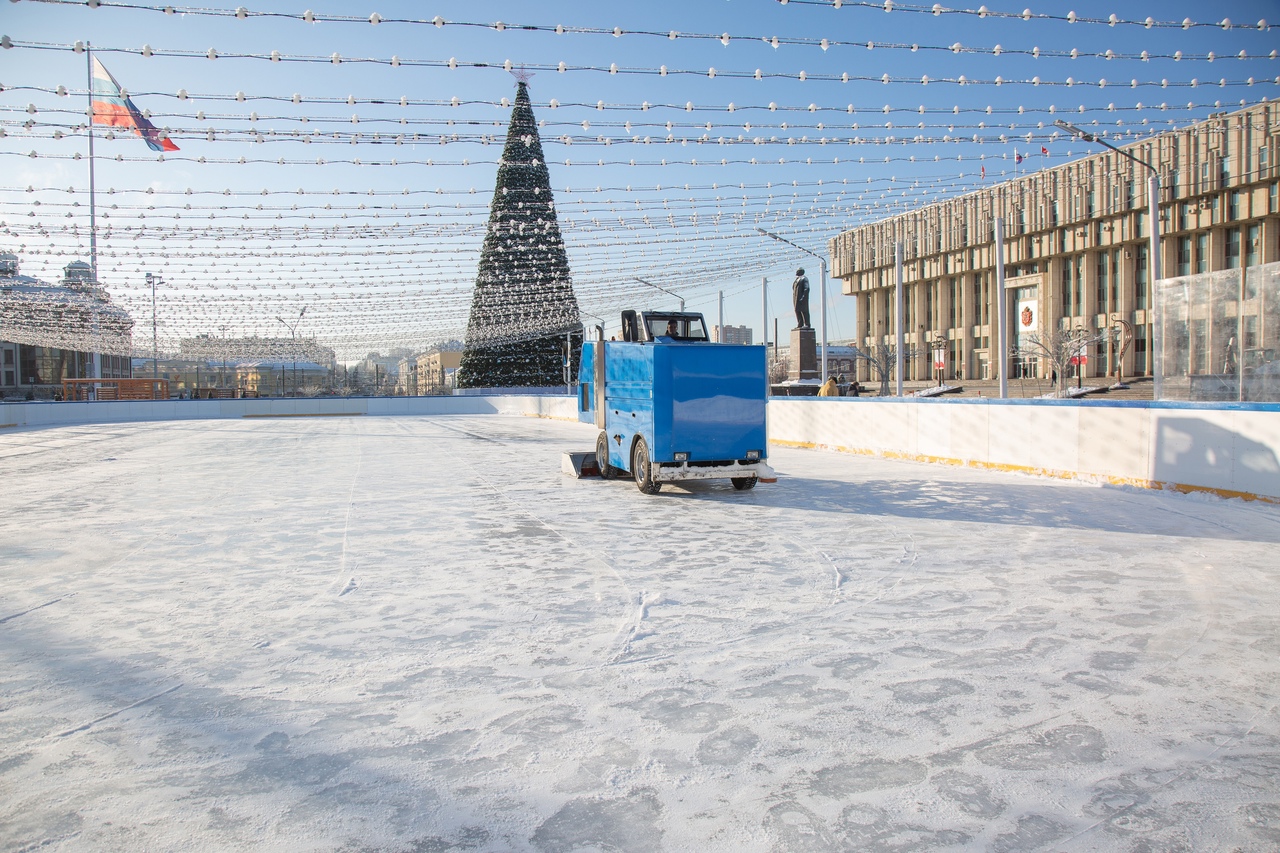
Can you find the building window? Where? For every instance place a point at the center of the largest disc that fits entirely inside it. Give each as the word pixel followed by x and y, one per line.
pixel 951 307
pixel 1202 252
pixel 1140 350
pixel 1184 256
pixel 1077 286
pixel 1103 280
pixel 1141 286
pixel 1233 206
pixel 1252 256
pixel 1249 334
pixel 1066 287
pixel 1199 344
pixel 1070 280
pixel 1114 302
pixel 1233 249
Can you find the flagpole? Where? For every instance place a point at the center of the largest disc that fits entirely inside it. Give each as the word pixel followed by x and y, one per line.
pixel 93 212
pixel 93 219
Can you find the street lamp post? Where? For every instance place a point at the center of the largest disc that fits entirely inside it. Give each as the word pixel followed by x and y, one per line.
pixel 822 299
pixel 1154 265
pixel 293 330
pixel 664 290
pixel 222 377
pixel 155 340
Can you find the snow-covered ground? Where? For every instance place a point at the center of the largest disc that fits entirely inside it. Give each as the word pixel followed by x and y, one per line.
pixel 416 634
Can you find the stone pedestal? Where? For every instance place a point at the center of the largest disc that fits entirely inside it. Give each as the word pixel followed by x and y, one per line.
pixel 804 355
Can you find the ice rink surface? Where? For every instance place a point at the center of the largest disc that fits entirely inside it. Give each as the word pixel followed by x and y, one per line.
pixel 416 634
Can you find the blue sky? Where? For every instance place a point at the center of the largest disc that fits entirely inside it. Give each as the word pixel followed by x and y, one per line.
pixel 404 277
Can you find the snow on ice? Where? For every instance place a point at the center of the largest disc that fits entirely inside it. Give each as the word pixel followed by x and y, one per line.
pixel 416 634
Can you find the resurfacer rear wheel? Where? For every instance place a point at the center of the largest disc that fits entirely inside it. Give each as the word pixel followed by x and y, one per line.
pixel 602 456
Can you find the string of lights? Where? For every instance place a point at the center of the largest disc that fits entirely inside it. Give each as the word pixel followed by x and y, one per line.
pixel 630 127
pixel 661 71
pixel 645 106
pixel 1113 20
pixel 376 19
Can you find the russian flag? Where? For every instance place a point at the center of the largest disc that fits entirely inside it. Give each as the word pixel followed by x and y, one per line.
pixel 111 107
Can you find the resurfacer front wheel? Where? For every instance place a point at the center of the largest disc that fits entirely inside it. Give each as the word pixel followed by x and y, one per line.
pixel 642 469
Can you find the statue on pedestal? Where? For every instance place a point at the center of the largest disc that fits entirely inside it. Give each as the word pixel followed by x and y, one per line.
pixel 800 297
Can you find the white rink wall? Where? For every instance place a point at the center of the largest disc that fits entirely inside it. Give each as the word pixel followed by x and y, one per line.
pixel 59 414
pixel 1228 449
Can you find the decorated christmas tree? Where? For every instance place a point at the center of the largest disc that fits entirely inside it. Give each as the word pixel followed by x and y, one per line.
pixel 523 312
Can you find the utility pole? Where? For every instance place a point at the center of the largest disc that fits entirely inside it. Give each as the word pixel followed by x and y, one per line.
pixel 720 312
pixel 899 314
pixel 293 334
pixel 1155 267
pixel 155 339
pixel 1002 318
pixel 764 310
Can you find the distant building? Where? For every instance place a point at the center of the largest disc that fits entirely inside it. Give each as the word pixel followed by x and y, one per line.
pixel 282 378
pixel 1076 244
pixel 731 334
pixel 437 368
pixel 246 365
pixel 52 332
pixel 375 374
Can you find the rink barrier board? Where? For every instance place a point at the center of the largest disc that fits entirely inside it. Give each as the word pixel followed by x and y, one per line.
pixel 1230 449
pixel 1226 449
pixel 1184 488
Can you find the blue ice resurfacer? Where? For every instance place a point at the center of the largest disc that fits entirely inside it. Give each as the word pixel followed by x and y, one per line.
pixel 670 405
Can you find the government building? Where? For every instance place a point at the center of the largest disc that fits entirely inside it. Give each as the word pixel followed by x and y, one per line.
pixel 1076 254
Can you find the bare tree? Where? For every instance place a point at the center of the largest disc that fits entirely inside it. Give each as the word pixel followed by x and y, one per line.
pixel 882 360
pixel 1059 347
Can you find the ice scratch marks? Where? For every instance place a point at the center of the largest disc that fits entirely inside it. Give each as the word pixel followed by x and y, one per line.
pixel 632 627
pixel 351 502
pixel 117 712
pixel 839 575
pixel 37 607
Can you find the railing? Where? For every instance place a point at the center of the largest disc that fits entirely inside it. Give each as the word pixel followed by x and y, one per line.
pixel 76 390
